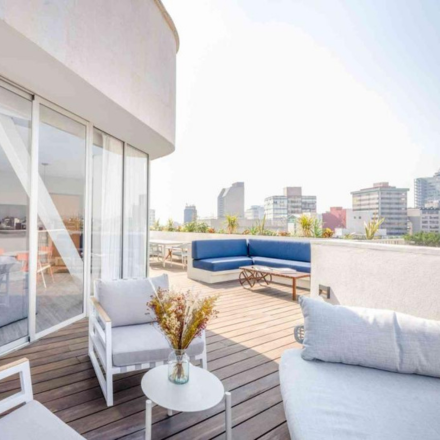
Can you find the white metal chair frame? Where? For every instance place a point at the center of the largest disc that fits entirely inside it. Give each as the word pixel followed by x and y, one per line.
pixel 155 252
pixel 180 252
pixel 100 351
pixel 25 395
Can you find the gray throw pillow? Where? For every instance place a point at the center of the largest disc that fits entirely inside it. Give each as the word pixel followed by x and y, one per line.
pixel 125 301
pixel 373 338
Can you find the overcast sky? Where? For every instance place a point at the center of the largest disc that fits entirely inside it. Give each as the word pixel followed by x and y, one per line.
pixel 325 94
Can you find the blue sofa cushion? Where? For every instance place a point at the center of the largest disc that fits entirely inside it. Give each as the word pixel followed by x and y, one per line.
pixel 225 263
pixel 280 249
pixel 300 266
pixel 203 249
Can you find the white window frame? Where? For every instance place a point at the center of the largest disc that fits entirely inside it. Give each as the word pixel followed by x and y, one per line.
pixel 37 101
pixel 33 220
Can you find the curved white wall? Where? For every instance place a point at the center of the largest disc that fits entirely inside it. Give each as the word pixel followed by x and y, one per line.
pixel 125 49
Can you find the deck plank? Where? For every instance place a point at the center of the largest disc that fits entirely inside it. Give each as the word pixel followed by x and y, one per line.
pixel 244 345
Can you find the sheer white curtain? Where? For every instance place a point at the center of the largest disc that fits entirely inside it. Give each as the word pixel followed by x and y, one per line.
pixel 107 206
pixel 135 213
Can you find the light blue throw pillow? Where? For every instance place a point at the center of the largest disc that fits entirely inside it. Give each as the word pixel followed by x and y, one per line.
pixel 380 339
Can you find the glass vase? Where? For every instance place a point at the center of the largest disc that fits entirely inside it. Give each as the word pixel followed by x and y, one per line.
pixel 178 367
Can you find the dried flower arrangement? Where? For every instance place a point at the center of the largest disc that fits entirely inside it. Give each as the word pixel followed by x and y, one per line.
pixel 182 316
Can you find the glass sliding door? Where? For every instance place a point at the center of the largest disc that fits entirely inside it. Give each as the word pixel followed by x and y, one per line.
pixel 107 164
pixel 61 194
pixel 135 213
pixel 15 144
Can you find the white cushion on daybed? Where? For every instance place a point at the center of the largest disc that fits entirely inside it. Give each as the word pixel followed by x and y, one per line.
pixel 374 338
pixel 331 401
pixel 33 421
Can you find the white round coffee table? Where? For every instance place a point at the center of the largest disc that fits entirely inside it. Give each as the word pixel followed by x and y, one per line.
pixel 201 392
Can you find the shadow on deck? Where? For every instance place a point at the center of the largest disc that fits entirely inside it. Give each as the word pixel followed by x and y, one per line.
pixel 245 343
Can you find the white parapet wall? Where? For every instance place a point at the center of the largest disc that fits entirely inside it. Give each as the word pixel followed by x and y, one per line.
pixel 401 278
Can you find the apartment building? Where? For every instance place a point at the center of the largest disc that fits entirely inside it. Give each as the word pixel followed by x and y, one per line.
pixel 189 214
pixel 385 201
pixel 427 191
pixel 275 208
pixel 297 203
pixel 151 216
pixel 255 212
pixel 424 220
pixel 230 201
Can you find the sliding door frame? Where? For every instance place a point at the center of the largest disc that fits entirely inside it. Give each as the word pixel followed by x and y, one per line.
pixel 38 101
pixel 32 221
pixel 24 340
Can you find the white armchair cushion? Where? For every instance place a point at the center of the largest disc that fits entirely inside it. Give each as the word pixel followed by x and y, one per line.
pixel 35 422
pixel 373 338
pixel 141 344
pixel 125 301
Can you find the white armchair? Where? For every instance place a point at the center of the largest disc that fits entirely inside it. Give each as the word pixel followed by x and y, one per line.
pixel 32 420
pixel 123 336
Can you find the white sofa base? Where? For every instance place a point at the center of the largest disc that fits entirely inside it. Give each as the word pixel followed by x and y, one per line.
pixel 325 400
pixel 206 276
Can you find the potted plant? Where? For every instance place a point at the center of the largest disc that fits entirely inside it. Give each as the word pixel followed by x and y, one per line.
pixel 182 316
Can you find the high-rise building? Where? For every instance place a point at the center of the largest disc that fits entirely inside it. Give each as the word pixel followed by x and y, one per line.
pixel 255 212
pixel 386 202
pixel 424 220
pixel 275 208
pixel 297 203
pixel 308 204
pixel 189 214
pixel 151 216
pixel 230 201
pixel 336 218
pixel 427 191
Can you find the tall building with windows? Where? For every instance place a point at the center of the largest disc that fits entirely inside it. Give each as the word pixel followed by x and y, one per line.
pixel 427 191
pixel 297 203
pixel 386 202
pixel 189 214
pixel 308 204
pixel 424 220
pixel 151 217
pixel 275 208
pixel 230 201
pixel 255 212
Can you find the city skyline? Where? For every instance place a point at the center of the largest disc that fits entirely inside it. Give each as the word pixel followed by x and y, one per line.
pixel 410 203
pixel 346 109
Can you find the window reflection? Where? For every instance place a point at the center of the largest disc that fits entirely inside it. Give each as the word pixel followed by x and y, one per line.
pixel 15 141
pixel 61 186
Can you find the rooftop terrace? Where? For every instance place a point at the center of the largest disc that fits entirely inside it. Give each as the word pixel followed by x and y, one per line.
pixel 244 343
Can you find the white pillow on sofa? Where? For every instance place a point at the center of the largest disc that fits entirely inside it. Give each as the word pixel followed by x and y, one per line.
pixel 380 339
pixel 125 301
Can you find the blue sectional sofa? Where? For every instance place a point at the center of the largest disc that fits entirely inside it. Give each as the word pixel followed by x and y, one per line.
pixel 219 260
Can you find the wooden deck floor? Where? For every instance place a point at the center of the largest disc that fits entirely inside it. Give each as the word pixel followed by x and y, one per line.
pixel 245 344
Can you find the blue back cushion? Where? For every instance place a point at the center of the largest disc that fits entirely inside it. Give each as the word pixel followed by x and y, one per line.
pixel 282 249
pixel 202 249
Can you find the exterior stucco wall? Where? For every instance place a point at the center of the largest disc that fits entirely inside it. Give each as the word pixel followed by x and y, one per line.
pixel 126 49
pixel 401 278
